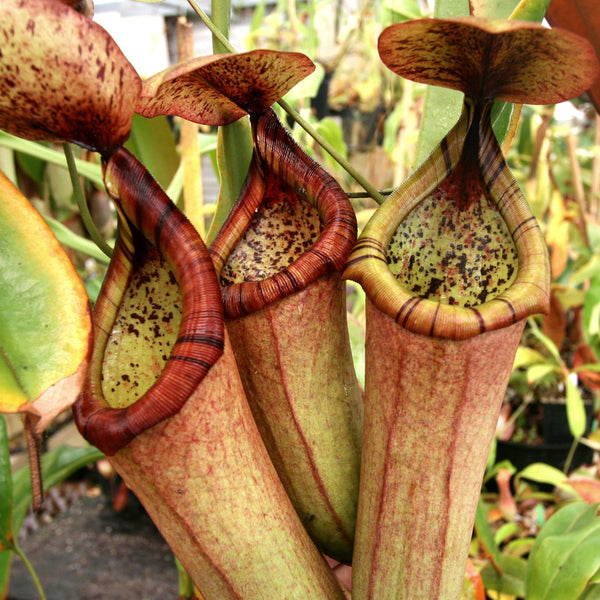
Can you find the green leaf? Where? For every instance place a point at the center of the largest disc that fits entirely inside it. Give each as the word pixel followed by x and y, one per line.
pixel 543 473
pixel 589 270
pixel 153 143
pixel 67 237
pixel 6 491
pixel 591 312
pixel 441 109
pixel 511 579
pixel 493 9
pixel 568 518
pixel 527 356
pixel 530 10
pixel 591 592
pixel 548 343
pixel 537 372
pixel 506 531
pixel 6 557
pixel 588 367
pixel 90 171
pixel 566 556
pixel 485 534
pixel 332 132
pixel 234 152
pixel 441 106
pixel 575 409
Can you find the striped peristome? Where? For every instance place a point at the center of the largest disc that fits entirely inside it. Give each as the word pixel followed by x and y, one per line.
pixel 278 160
pixel 150 223
pixel 521 288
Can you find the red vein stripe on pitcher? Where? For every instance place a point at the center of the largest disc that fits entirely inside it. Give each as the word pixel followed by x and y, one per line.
pixel 200 339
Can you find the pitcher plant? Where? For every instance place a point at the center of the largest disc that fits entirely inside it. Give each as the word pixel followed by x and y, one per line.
pixel 452 264
pixel 220 382
pixel 279 256
pixel 185 442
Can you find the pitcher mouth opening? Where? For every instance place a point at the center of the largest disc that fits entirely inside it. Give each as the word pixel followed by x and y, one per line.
pixel 292 224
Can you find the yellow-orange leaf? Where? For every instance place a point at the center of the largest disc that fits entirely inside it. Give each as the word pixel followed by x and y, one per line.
pixel 45 325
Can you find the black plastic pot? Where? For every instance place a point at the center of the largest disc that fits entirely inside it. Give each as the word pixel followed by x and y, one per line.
pixel 522 455
pixel 557 442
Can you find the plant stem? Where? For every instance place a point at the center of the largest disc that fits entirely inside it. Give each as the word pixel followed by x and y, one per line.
pixel 84 211
pixel 370 189
pixel 31 570
pixel 217 33
pixel 193 191
pixel 569 459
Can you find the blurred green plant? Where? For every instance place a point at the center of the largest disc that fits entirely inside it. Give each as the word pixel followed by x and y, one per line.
pixel 16 497
pixel 571 227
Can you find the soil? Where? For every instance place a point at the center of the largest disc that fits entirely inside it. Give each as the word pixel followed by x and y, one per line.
pixel 90 552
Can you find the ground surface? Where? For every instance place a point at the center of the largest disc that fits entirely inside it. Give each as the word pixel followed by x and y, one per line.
pixel 90 552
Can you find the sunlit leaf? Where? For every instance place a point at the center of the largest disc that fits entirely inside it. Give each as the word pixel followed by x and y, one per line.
pixel 543 473
pixel 45 325
pixel 219 89
pixel 153 143
pixel 527 356
pixel 494 9
pixel 62 77
pixel 537 372
pixel 575 409
pixel 557 233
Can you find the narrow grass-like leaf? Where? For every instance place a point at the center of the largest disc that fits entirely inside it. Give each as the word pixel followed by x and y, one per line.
pixel 69 238
pixel 90 171
pixel 6 492
pixel 486 536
